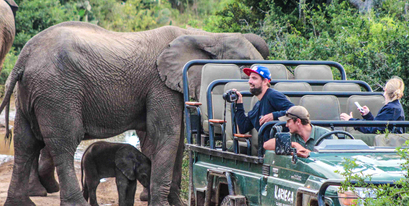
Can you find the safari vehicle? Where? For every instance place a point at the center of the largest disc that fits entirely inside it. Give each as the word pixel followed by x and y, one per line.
pixel 227 168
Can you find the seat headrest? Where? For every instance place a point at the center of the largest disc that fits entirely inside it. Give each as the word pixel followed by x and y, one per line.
pixel 346 87
pixel 292 86
pixel 321 107
pixel 313 72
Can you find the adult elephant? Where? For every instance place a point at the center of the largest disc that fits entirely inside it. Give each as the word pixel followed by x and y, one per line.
pixel 77 81
pixel 8 10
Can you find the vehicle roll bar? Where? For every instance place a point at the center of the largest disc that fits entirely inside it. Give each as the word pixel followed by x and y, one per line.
pixel 244 62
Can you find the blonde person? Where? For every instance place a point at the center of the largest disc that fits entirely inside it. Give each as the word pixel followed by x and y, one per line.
pixel 391 111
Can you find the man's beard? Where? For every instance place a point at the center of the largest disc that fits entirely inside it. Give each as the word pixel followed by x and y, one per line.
pixel 255 91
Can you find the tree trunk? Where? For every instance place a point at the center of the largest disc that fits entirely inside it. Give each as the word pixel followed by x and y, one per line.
pixel 363 6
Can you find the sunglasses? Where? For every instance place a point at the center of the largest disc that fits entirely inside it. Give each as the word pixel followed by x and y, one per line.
pixel 288 113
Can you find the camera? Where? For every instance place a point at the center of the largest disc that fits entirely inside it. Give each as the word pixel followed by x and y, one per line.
pixel 230 96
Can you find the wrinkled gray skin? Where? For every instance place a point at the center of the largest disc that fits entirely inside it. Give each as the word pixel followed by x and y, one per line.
pixel 7 27
pixel 46 169
pixel 77 81
pixel 8 11
pixel 122 161
pixel 259 43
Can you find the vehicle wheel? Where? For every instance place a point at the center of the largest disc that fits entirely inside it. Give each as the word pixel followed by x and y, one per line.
pixel 225 201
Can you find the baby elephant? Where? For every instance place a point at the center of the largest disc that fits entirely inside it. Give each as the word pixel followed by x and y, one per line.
pixel 123 161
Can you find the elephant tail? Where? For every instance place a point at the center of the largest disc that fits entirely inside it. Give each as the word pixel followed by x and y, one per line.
pixel 82 168
pixel 15 75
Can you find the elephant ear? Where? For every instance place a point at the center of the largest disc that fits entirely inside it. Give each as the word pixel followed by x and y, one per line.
pixel 181 50
pixel 125 161
pixel 13 5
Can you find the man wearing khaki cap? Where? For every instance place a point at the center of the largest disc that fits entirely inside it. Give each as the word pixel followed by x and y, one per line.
pixel 303 134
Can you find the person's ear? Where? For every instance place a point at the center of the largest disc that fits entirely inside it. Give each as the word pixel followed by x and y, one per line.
pixel 265 81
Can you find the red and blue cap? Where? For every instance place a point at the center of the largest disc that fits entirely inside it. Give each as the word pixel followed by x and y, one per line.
pixel 260 70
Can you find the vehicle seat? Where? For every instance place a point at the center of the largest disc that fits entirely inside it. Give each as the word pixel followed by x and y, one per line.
pixel 293 86
pixel 374 103
pixel 391 140
pixel 341 87
pixel 313 72
pixel 211 72
pixel 278 71
pixel 254 136
pixel 321 107
pixel 240 86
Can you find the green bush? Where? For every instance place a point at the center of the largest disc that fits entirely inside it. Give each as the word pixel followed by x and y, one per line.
pixel 34 16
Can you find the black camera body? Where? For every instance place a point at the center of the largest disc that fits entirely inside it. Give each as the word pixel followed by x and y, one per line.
pixel 230 96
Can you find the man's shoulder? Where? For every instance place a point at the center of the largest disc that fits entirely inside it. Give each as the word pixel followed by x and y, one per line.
pixel 320 130
pixel 273 93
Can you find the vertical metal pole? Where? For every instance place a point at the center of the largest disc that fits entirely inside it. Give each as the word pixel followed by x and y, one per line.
pixel 229 183
pixel 191 187
pixel 209 189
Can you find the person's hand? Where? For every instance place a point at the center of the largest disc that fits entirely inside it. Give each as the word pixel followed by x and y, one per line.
pixel 345 116
pixel 303 153
pixel 366 110
pixel 240 97
pixel 266 118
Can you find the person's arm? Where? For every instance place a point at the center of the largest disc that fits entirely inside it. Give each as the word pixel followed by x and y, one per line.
pixel 385 114
pixel 243 122
pixel 301 151
pixel 280 103
pixel 270 144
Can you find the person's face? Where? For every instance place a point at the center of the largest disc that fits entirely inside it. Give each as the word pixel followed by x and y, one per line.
pixel 385 91
pixel 256 83
pixel 292 126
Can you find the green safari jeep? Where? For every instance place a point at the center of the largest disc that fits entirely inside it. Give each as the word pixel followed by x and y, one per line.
pixel 219 176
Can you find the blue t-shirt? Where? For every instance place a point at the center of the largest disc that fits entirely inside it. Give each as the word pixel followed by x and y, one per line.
pixel 273 101
pixel 392 111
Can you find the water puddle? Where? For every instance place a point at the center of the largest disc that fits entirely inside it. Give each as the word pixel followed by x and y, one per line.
pixel 129 137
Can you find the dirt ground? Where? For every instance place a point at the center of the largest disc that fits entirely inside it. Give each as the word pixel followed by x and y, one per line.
pixel 106 192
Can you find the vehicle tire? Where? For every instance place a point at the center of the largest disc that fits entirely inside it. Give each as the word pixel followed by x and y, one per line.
pixel 225 201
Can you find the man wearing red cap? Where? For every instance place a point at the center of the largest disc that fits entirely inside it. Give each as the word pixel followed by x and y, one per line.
pixel 271 105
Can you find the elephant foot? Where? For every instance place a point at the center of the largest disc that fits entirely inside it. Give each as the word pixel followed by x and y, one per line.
pixel 49 182
pixel 18 201
pixel 144 195
pixel 77 200
pixel 176 200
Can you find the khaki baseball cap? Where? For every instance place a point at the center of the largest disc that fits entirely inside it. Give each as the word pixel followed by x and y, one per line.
pixel 295 112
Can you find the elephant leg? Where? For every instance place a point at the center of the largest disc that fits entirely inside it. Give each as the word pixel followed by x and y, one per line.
pixel 46 170
pixel 91 181
pixel 144 196
pixel 146 150
pixel 90 188
pixel 126 189
pixel 62 132
pixel 26 150
pixel 85 191
pixel 130 193
pixel 35 186
pixel 174 196
pixel 163 127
